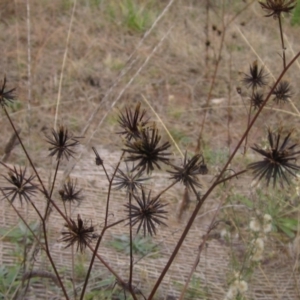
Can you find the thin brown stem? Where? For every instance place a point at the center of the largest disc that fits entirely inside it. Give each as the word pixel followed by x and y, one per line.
pixel 248 122
pixel 103 230
pixel 235 175
pixel 229 109
pixel 72 256
pixel 48 209
pixel 282 41
pixel 167 188
pixel 196 262
pixel 207 43
pixel 131 249
pixel 52 262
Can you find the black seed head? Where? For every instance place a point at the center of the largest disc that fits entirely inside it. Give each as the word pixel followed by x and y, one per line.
pixel 256 78
pixel 282 92
pixel 79 233
pixel 69 193
pixel 62 143
pixel 129 180
pixel 279 160
pixel 146 150
pixel 6 96
pixel 188 172
pixel 147 213
pixel 21 186
pixel 257 99
pixel 132 122
pixel 276 7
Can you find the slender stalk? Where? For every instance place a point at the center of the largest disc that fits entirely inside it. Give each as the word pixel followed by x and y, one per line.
pixel 167 188
pixel 235 175
pixel 248 122
pixel 131 249
pixel 196 262
pixel 29 85
pixel 229 109
pixel 72 258
pixel 282 41
pixel 48 209
pixel 206 30
pixel 215 183
pixel 214 76
pixel 54 179
pixel 103 230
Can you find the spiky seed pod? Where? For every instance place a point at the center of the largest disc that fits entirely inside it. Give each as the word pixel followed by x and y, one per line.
pixel 147 213
pixel 6 96
pixel 282 92
pixel 276 7
pixel 79 233
pixel 69 193
pixel 129 180
pixel 256 78
pixel 257 99
pixel 62 143
pixel 146 150
pixel 132 122
pixel 21 186
pixel 188 172
pixel 279 160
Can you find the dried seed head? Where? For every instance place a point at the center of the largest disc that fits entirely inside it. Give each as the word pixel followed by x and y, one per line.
pixel 79 233
pixel 188 172
pixel 282 92
pixel 146 150
pixel 62 143
pixel 279 160
pixel 69 193
pixel 130 180
pixel 276 7
pixel 21 186
pixel 256 78
pixel 147 212
pixel 257 99
pixel 132 122
pixel 6 96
